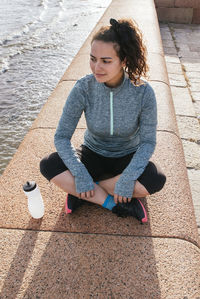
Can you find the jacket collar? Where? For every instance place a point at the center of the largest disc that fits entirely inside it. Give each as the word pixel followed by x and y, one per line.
pixel 114 89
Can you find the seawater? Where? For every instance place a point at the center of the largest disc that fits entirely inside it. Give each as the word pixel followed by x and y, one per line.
pixel 38 40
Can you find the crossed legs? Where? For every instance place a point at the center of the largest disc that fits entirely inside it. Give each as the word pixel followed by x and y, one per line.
pixel 66 182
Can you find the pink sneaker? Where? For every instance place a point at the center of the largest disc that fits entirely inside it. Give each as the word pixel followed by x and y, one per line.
pixel 72 203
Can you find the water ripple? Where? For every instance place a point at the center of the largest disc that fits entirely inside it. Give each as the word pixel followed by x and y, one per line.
pixel 38 40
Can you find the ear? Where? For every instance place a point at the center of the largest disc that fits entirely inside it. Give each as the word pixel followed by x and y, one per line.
pixel 124 62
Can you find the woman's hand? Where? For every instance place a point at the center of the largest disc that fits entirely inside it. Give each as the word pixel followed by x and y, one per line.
pixel 121 199
pixel 86 195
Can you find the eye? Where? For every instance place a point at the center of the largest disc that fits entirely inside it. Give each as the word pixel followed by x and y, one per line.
pixel 106 61
pixel 92 59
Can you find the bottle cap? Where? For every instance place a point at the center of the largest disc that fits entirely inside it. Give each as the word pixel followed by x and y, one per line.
pixel 29 186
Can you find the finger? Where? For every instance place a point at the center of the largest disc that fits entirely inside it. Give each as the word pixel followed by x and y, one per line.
pixel 120 199
pixel 129 199
pixel 83 195
pixel 116 198
pixel 87 194
pixel 92 193
pixel 124 199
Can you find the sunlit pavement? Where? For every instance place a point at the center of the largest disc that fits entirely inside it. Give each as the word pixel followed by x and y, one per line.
pixel 181 43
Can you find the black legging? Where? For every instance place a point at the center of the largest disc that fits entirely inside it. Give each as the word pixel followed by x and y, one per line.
pixel 101 167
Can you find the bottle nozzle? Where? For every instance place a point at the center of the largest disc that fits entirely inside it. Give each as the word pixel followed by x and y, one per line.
pixel 29 186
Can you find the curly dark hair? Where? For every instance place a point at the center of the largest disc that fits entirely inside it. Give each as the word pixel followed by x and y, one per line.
pixel 129 46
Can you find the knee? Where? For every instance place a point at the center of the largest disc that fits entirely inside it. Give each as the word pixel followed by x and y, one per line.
pixel 52 165
pixel 160 182
pixel 154 179
pixel 44 167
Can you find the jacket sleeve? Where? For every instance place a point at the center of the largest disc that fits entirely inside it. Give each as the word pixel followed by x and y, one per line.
pixel 147 130
pixel 72 112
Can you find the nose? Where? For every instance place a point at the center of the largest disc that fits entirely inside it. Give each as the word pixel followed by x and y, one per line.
pixel 98 66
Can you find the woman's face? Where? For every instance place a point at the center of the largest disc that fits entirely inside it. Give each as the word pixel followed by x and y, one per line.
pixel 105 64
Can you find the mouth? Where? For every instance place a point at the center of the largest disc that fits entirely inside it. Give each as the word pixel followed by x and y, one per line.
pixel 99 75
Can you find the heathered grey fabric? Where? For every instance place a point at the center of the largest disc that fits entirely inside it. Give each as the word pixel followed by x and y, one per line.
pixel 134 128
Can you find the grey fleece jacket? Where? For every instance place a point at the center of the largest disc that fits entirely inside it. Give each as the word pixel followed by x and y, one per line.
pixel 119 121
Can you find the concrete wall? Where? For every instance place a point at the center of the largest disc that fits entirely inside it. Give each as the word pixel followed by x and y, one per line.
pixel 178 11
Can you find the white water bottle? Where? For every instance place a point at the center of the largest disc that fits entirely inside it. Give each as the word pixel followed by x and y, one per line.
pixel 35 202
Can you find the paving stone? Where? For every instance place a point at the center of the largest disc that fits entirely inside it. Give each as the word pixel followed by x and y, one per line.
pixel 188 43
pixel 196 96
pixel 190 64
pixel 194 37
pixel 194 81
pixel 168 43
pixel 174 68
pixel 181 33
pixel 172 58
pixel 180 26
pixel 184 41
pixel 170 50
pixel 195 27
pixel 188 32
pixel 184 53
pixel 192 154
pixel 194 48
pixel 193 75
pixel 163 26
pixel 188 128
pixel 182 46
pixel 194 87
pixel 166 35
pixel 194 179
pixel 165 32
pixel 51 265
pixel 177 80
pixel 182 101
pixel 197 109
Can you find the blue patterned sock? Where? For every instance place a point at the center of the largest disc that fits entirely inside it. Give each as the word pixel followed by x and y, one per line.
pixel 109 202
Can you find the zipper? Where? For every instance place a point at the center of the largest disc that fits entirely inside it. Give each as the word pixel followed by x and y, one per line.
pixel 111 113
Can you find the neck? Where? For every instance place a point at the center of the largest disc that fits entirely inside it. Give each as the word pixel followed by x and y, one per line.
pixel 118 81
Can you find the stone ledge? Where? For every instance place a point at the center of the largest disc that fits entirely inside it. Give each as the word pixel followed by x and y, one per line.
pixel 178 11
pixel 62 265
pixel 187 3
pixel 91 218
pixel 175 15
pixel 178 3
pixel 164 3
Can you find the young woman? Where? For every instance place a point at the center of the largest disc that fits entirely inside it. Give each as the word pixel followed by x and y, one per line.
pixel 112 166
